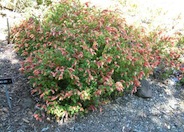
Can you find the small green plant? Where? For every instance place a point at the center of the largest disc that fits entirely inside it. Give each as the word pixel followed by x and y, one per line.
pixel 182 81
pixel 80 56
pixel 22 5
pixel 46 2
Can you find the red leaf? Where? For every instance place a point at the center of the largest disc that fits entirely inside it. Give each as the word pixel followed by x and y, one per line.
pixel 54 74
pixel 119 86
pixel 92 107
pixel 42 95
pixel 32 36
pixel 54 98
pixel 71 69
pixel 100 64
pixel 37 117
pixel 141 74
pixel 87 4
pixel 36 72
pixel 101 109
pixel 134 90
pixel 95 45
pixel 98 92
pixel 92 51
pixel 136 82
pixel 182 69
pixel 60 76
pixel 52 91
pixel 21 70
pixel 68 94
pixel 109 59
pixel 146 64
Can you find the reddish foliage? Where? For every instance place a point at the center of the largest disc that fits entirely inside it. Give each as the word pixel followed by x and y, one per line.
pixel 78 56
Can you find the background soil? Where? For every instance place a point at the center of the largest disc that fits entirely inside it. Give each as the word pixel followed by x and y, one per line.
pixel 163 112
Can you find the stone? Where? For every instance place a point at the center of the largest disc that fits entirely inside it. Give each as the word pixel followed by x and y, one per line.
pixel 144 91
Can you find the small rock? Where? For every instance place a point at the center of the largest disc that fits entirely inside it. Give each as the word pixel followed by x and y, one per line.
pixel 141 114
pixel 45 129
pixel 167 126
pixel 25 120
pixel 170 81
pixel 20 130
pixel 78 128
pixel 144 91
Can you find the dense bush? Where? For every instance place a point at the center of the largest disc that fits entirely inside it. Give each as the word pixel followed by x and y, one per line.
pixel 77 57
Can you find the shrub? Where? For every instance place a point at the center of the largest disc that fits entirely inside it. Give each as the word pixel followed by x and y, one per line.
pixel 21 5
pixel 77 57
pixel 47 2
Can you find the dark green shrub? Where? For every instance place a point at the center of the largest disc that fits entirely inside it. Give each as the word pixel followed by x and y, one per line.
pixel 80 56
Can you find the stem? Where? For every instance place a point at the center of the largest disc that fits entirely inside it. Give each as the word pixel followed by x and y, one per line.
pixel 8 26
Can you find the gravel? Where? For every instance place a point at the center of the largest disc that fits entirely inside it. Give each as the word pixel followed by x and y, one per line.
pixel 164 112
